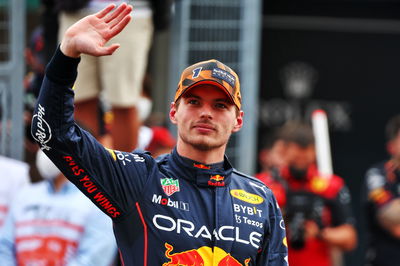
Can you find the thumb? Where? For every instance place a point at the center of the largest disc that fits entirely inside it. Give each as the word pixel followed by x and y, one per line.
pixel 108 50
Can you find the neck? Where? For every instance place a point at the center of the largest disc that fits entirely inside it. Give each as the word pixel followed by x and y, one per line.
pixel 205 157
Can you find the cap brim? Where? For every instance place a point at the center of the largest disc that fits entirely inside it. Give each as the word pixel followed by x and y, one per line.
pixel 208 82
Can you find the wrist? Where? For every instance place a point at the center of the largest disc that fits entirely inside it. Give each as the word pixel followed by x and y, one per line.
pixel 67 49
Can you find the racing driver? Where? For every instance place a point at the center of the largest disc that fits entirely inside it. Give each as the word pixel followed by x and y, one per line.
pixel 189 207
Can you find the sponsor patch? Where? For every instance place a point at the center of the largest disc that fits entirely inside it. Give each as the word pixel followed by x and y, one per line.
pixel 252 211
pixel 43 132
pixel 170 185
pixel 216 181
pixel 158 199
pixel 246 196
pixel 224 75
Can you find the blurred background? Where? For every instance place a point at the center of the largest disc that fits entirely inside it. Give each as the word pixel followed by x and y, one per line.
pixel 293 56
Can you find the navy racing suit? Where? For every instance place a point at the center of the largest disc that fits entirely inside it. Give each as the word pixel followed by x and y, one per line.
pixel 166 211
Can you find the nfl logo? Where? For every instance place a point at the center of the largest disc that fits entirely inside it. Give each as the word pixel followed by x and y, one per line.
pixel 170 186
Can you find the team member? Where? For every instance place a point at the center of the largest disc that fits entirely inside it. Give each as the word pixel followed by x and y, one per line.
pixel 189 207
pixel 382 202
pixel 52 223
pixel 316 209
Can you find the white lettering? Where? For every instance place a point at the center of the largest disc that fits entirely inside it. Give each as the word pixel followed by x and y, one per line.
pixel 159 216
pixel 247 210
pixel 205 234
pixel 156 199
pixel 238 237
pixel 186 229
pixel 225 227
pixel 226 233
pixel 255 237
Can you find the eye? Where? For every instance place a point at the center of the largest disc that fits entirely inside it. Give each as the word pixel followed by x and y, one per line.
pixel 193 101
pixel 221 106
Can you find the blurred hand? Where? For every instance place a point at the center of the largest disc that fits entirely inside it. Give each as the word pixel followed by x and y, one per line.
pixel 91 33
pixel 311 229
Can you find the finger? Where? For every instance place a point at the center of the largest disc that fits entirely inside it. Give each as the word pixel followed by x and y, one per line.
pixel 120 17
pixel 116 12
pixel 105 11
pixel 120 26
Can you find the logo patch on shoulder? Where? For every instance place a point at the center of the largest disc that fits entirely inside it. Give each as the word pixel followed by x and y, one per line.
pixel 170 185
pixel 246 196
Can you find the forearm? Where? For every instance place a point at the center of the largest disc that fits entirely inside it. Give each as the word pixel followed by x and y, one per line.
pixel 389 217
pixel 343 236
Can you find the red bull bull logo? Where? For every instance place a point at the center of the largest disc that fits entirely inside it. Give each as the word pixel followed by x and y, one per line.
pixel 203 256
pixel 216 181
pixel 201 166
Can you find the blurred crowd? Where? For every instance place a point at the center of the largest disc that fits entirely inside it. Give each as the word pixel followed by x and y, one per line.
pixel 44 220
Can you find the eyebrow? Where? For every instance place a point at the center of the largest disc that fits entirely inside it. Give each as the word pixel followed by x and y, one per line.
pixel 225 100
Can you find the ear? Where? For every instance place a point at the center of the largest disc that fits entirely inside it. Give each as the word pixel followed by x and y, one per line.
pixel 172 113
pixel 238 122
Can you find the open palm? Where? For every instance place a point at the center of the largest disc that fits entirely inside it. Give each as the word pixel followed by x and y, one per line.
pixel 90 34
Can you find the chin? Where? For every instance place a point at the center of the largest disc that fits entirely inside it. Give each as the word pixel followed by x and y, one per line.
pixel 205 145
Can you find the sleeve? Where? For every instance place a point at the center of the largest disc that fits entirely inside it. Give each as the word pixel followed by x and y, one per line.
pixel 97 246
pixel 113 180
pixel 7 242
pixel 341 208
pixel 274 250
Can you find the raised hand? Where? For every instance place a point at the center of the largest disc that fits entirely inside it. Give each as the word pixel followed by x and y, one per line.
pixel 90 34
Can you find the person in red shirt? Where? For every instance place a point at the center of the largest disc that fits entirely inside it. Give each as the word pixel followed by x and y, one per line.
pixel 316 208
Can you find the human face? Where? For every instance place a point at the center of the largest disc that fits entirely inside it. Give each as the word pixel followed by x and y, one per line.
pixel 205 118
pixel 299 157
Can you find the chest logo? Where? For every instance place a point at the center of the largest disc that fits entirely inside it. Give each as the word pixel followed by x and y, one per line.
pixel 216 181
pixel 170 185
pixel 246 196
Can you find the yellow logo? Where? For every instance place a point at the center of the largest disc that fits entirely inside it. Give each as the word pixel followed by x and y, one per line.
pixel 319 184
pixel 246 196
pixel 112 153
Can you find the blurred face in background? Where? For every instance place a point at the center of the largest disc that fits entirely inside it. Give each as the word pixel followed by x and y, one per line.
pixel 298 157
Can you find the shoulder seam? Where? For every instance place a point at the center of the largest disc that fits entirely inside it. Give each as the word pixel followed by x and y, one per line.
pixel 252 178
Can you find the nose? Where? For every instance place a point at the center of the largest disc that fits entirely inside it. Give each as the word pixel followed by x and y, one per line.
pixel 206 111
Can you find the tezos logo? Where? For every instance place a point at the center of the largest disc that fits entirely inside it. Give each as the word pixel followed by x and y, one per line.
pixel 43 130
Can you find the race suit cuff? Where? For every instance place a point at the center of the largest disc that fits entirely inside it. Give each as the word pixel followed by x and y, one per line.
pixel 62 69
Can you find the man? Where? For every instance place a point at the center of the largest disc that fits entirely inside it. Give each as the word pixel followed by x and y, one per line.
pixel 382 202
pixel 271 160
pixel 316 209
pixel 52 223
pixel 189 207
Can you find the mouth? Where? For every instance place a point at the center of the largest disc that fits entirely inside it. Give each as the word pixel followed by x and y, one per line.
pixel 204 128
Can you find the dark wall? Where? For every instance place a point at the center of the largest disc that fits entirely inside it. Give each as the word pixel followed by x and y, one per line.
pixel 355 78
pixel 384 9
